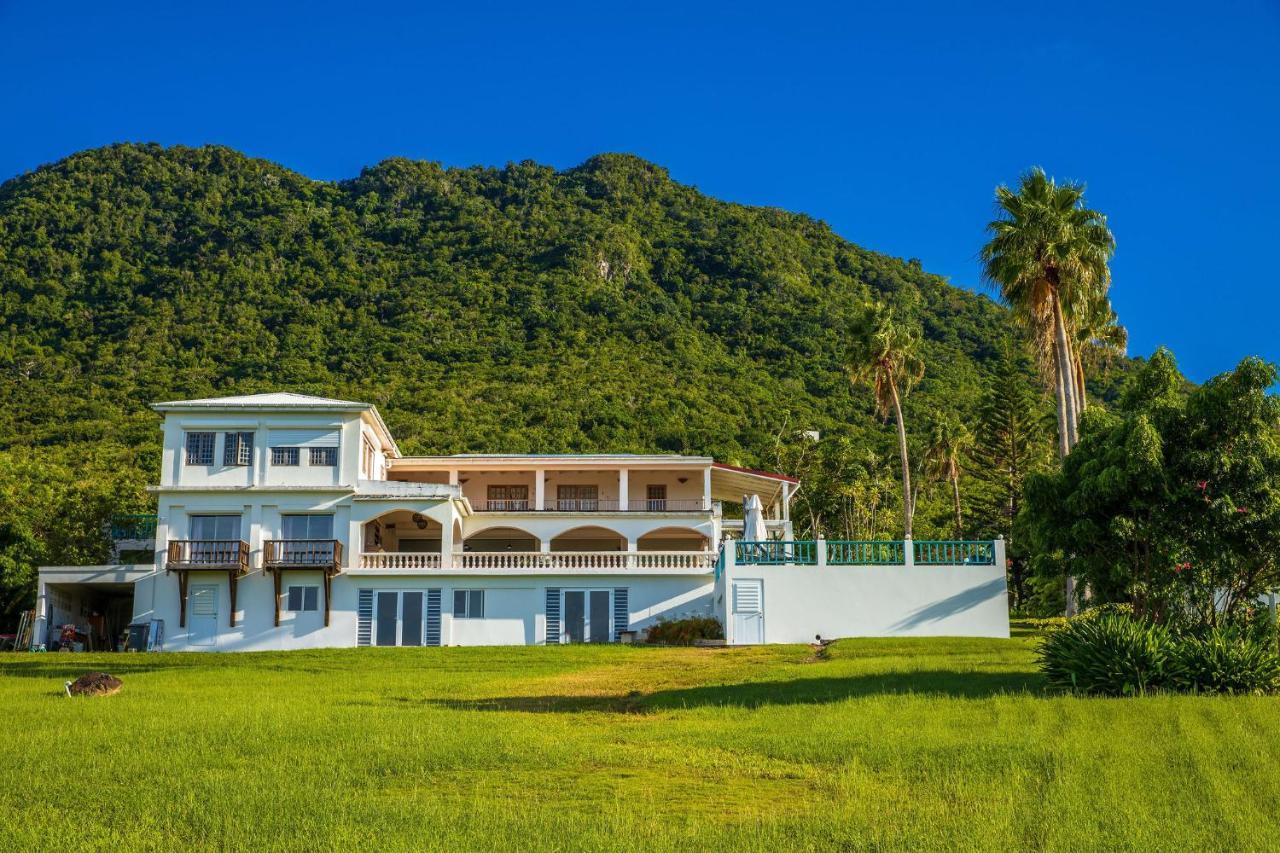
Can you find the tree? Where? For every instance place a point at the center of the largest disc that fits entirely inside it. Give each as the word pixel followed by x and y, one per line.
pixel 949 441
pixel 1048 255
pixel 1100 340
pixel 885 356
pixel 1014 438
pixel 1172 502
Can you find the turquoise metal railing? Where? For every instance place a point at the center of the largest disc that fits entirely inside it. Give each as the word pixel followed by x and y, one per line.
pixel 847 552
pixel 135 526
pixel 934 552
pixel 776 552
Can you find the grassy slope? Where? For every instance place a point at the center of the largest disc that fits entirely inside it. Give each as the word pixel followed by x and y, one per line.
pixel 920 743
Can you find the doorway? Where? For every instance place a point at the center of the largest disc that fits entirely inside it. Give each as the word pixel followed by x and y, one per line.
pixel 748 612
pixel 203 603
pixel 587 615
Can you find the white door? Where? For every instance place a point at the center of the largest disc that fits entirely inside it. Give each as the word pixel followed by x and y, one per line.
pixel 202 614
pixel 748 612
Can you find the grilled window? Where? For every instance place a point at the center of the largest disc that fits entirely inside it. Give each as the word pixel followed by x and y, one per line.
pixel 238 449
pixel 284 456
pixel 326 456
pixel 200 448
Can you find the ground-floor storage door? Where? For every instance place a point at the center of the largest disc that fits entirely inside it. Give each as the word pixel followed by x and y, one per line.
pixel 203 608
pixel 599 616
pixel 386 614
pixel 575 615
pixel 748 611
pixel 411 619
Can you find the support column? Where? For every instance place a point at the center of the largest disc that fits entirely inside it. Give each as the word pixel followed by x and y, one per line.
pixel 1000 558
pixel 446 540
pixel 908 553
pixel 821 556
pixel 539 488
pixel 706 488
pixel 728 562
pixel 633 547
pixel 624 491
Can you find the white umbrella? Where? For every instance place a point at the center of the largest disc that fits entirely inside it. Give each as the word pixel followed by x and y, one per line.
pixel 753 527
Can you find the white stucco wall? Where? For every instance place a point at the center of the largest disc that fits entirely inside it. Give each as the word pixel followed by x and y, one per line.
pixel 876 601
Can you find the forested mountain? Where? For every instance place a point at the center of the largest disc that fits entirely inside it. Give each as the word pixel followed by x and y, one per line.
pixel 522 309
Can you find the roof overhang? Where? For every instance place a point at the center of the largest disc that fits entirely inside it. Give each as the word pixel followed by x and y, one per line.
pixel 559 462
pixel 730 483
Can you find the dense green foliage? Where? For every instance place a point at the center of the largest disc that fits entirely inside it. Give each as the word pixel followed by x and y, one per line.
pixel 1115 653
pixel 1172 501
pixel 521 309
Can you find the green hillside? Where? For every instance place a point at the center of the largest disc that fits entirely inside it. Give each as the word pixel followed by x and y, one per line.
pixel 522 309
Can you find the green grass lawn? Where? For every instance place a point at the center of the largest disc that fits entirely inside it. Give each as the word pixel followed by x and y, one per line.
pixel 884 744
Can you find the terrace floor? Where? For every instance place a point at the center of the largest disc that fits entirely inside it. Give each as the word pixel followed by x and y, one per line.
pixel 886 744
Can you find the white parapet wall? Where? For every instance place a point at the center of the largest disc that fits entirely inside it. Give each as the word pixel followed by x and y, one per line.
pixel 796 603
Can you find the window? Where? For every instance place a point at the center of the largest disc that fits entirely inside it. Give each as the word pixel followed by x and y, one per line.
pixel 366 458
pixel 238 449
pixel 508 497
pixel 215 528
pixel 284 456
pixel 199 448
pixel 468 604
pixel 303 599
pixel 326 456
pixel 655 498
pixel 578 498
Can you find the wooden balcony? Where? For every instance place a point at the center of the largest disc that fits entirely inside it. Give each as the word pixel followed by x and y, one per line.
pixel 302 554
pixel 231 555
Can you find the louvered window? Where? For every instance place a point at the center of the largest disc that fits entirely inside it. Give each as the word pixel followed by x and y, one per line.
pixel 200 448
pixel 238 449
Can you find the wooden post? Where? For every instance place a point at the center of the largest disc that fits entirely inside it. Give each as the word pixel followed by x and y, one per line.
pixel 328 588
pixel 275 579
pixel 182 599
pixel 233 577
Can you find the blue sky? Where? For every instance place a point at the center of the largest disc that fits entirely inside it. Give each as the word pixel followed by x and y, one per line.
pixel 891 122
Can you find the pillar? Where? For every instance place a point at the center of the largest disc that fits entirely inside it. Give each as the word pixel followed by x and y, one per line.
pixel 624 491
pixel 539 488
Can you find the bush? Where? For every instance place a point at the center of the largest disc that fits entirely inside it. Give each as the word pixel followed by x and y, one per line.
pixel 1107 655
pixel 683 632
pixel 1226 660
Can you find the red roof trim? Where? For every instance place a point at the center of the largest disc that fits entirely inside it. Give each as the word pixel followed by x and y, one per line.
pixel 769 474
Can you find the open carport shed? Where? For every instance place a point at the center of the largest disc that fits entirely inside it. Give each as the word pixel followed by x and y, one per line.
pixel 100 601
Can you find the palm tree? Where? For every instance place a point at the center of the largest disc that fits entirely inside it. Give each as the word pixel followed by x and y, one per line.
pixel 949 440
pixel 1099 339
pixel 884 356
pixel 1048 256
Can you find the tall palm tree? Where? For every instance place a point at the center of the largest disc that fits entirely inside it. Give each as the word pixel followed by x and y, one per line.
pixel 1099 339
pixel 949 440
pixel 884 355
pixel 1048 256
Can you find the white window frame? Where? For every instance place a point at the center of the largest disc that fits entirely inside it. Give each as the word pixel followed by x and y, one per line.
pixel 212 447
pixel 330 452
pixel 293 453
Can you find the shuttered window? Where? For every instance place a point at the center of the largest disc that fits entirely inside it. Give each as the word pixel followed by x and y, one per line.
pixel 199 448
pixel 303 437
pixel 324 456
pixel 238 449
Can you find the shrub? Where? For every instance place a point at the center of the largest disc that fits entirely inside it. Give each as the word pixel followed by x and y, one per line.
pixel 1107 655
pixel 683 632
pixel 1226 660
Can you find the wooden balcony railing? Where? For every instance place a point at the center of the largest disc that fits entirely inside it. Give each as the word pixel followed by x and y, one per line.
pixel 301 553
pixel 230 554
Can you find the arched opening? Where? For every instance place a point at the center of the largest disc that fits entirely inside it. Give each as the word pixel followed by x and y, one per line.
pixel 672 539
pixel 402 531
pixel 501 539
pixel 589 539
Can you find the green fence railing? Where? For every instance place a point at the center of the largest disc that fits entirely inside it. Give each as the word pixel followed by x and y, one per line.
pixel 847 552
pixel 136 526
pixel 954 552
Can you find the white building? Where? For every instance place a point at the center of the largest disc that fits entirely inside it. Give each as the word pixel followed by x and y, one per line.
pixel 287 521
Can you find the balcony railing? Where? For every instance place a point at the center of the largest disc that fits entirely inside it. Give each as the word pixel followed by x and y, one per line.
pixel 577 560
pixel 295 553
pixel 399 560
pixel 133 526
pixel 592 505
pixel 209 554
pixel 838 552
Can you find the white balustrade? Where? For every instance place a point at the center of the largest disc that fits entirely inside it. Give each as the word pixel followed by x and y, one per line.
pixel 579 560
pixel 399 560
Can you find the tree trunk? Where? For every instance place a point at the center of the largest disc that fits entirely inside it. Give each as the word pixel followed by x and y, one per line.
pixel 955 491
pixel 1060 396
pixel 1062 355
pixel 1081 397
pixel 907 509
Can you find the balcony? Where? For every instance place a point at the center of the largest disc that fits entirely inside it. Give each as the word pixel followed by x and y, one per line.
pixel 588 505
pixel 833 552
pixel 208 554
pixel 544 562
pixel 302 554
pixel 133 527
pixel 399 560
